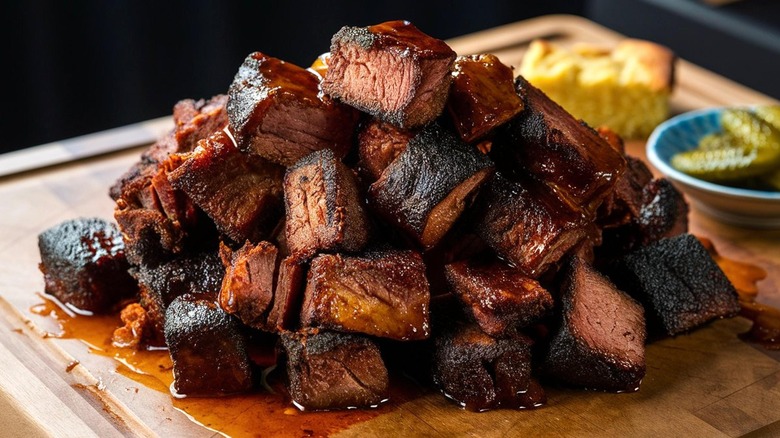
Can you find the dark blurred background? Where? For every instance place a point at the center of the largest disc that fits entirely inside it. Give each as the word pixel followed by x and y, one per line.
pixel 76 67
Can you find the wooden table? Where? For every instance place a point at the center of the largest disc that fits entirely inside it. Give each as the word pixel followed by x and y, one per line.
pixel 708 383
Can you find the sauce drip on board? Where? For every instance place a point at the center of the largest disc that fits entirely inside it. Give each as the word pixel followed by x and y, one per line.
pixel 745 276
pixel 259 413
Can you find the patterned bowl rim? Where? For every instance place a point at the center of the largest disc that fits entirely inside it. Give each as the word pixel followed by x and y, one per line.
pixel 664 167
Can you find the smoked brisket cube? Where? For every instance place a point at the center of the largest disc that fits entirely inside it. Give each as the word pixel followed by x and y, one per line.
pixel 248 286
pixel 563 153
pixel 381 294
pixel 379 144
pixel 527 225
pixel 625 202
pixel 664 212
pixel 84 265
pixel 480 372
pixel 288 295
pixel 277 111
pixel 499 298
pixel 428 186
pixel 482 96
pixel 198 274
pixel 678 283
pixel 390 70
pixel 330 370
pixel 150 237
pixel 207 348
pixel 324 209
pixel 601 340
pixel 241 193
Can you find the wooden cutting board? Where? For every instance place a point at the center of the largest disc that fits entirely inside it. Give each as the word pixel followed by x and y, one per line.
pixel 708 383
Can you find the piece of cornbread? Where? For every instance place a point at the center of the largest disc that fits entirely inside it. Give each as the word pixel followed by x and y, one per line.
pixel 626 89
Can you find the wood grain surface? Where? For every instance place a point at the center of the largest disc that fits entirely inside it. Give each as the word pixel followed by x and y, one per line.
pixel 709 383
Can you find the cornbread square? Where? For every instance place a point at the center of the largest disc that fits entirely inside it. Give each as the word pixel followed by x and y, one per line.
pixel 626 89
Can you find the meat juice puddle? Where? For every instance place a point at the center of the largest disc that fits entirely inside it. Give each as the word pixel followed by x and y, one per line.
pixel 259 413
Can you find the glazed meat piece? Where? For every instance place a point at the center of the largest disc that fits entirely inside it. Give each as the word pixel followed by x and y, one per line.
pixel 241 193
pixel 500 299
pixel 330 370
pixel 381 294
pixel 248 286
pixel 390 70
pixel 482 96
pixel 563 153
pixel 480 372
pixel 527 225
pixel 277 111
pixel 207 348
pixel 150 237
pixel 662 213
pixel 288 295
pixel 379 143
pixel 193 120
pixel 625 202
pixel 324 210
pixel 199 274
pixel 429 185
pixel 84 265
pixel 678 283
pixel 601 340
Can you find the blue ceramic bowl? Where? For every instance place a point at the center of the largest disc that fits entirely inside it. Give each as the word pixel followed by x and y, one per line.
pixel 742 207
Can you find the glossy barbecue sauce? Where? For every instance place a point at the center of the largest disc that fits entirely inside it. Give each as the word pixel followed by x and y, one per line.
pixel 744 276
pixel 259 413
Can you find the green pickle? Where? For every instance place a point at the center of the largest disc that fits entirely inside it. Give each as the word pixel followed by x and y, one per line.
pixel 748 148
pixel 770 114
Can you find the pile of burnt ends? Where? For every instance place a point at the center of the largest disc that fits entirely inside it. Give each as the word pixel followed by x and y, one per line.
pixel 399 205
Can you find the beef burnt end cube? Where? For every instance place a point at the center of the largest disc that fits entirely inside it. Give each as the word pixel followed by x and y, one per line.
pixel 678 283
pixel 382 294
pixel 324 209
pixel 379 144
pixel 600 343
pixel 198 274
pixel 248 286
pixel 288 295
pixel 84 265
pixel 482 96
pixel 241 193
pixel 329 370
pixel 207 348
pixel 480 372
pixel 563 153
pixel 527 225
pixel 425 190
pixel 499 298
pixel 276 110
pixel 390 70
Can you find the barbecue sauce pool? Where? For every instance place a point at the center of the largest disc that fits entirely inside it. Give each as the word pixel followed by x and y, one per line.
pixel 258 413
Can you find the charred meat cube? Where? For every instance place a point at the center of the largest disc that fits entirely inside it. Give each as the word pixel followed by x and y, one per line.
pixel 527 225
pixel 480 372
pixel 601 340
pixel 678 283
pixel 150 237
pixel 382 294
pixel 84 265
pixel 324 210
pixel 288 295
pixel 664 212
pixel 241 193
pixel 277 111
pixel 198 274
pixel 379 143
pixel 625 202
pixel 429 185
pixel 194 120
pixel 248 286
pixel 330 370
pixel 482 96
pixel 499 298
pixel 207 348
pixel 565 154
pixel 390 70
